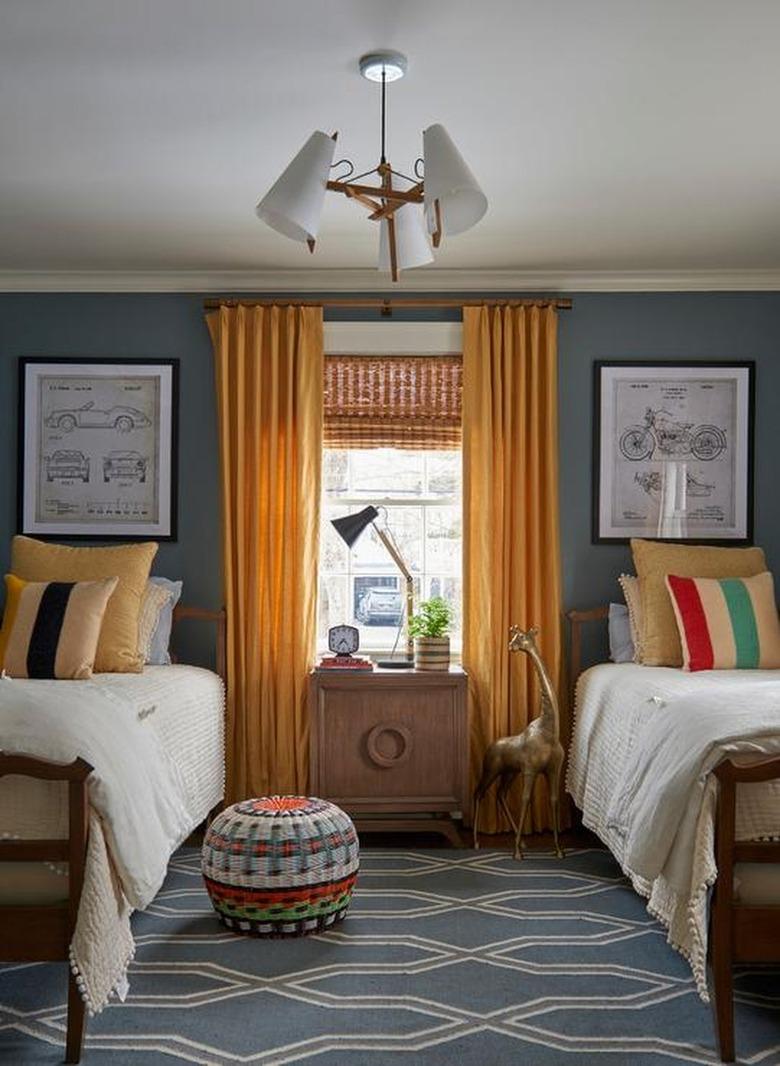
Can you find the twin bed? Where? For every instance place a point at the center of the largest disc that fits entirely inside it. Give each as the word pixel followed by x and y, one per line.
pixel 156 741
pixel 649 747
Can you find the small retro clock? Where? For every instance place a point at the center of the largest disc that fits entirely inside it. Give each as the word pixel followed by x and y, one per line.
pixel 343 640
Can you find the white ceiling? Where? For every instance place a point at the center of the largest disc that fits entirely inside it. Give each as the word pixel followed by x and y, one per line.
pixel 608 135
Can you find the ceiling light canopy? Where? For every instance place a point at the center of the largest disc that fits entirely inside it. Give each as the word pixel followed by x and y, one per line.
pixel 451 198
pixel 378 65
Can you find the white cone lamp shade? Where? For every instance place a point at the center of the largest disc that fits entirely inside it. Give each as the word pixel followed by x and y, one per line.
pixel 449 180
pixel 293 204
pixel 412 247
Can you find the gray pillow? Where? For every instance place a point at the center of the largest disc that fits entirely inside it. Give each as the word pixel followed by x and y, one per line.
pixel 621 647
pixel 159 655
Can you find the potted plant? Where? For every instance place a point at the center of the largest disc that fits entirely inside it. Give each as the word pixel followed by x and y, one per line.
pixel 430 629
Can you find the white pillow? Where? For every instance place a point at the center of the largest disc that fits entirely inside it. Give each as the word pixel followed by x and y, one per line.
pixel 156 620
pixel 621 646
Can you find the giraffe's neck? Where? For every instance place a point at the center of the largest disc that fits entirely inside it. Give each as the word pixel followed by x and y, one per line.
pixel 549 712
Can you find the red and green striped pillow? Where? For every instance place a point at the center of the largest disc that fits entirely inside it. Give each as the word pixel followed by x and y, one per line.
pixel 727 623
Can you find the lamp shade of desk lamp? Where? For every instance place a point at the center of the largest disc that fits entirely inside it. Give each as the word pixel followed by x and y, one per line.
pixel 351 526
pixel 349 529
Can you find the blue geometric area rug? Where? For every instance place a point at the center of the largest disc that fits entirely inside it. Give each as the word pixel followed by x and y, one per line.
pixel 446 957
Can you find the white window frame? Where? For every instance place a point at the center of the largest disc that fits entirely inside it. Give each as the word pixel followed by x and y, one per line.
pixel 392 338
pixel 424 503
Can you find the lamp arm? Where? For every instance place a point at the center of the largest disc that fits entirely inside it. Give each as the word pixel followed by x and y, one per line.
pixel 393 551
pixel 397 558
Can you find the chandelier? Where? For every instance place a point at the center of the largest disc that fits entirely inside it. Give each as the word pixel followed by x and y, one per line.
pixel 413 212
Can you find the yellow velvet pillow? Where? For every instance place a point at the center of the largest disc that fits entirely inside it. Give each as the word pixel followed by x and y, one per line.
pixel 117 650
pixel 51 628
pixel 653 560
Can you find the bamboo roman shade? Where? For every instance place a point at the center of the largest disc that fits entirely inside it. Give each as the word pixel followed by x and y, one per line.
pixel 394 401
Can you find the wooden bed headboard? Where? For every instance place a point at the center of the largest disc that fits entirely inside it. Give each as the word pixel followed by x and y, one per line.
pixel 577 619
pixel 202 614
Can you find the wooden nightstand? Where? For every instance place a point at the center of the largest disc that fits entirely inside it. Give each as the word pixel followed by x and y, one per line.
pixel 392 743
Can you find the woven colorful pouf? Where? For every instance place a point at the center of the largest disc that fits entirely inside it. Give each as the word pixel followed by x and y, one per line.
pixel 280 865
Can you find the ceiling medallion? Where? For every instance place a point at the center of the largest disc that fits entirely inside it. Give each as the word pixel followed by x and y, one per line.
pixel 413 212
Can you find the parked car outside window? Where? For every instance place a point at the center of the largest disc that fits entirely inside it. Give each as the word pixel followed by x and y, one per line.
pixel 380 607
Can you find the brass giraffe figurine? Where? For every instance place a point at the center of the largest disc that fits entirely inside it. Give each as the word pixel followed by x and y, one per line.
pixel 536 750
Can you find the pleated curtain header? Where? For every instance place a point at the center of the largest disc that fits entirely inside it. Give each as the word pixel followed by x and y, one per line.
pixel 393 401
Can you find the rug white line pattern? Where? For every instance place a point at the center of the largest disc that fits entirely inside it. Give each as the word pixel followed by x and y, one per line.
pixel 445 956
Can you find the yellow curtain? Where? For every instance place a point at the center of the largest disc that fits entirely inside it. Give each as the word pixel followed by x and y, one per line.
pixel 511 567
pixel 269 371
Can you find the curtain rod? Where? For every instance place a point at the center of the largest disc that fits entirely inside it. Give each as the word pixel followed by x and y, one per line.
pixel 387 305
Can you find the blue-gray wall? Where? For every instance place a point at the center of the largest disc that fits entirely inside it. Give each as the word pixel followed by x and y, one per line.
pixel 600 326
pixel 148 326
pixel 659 326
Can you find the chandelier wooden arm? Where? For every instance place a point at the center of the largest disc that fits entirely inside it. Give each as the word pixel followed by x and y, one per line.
pixel 404 196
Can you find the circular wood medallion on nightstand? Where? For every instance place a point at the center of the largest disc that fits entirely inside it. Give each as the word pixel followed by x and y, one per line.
pixel 389 744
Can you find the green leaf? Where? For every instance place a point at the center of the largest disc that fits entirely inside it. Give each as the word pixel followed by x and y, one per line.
pixel 433 618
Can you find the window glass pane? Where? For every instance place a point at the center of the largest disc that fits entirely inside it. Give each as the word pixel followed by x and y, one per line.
pixel 443 535
pixel 333 601
pixel 444 473
pixel 334 554
pixel 418 494
pixel 380 472
pixel 335 471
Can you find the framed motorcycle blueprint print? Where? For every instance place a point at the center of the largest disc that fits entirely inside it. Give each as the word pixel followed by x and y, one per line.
pixel 97 448
pixel 673 451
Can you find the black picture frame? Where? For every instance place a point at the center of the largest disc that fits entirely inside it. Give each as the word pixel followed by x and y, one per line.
pixel 745 372
pixel 28 466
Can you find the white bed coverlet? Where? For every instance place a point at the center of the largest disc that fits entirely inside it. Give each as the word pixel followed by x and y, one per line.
pixel 144 795
pixel 644 741
pixel 661 787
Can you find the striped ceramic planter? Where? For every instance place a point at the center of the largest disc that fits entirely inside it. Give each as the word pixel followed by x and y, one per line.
pixel 431 653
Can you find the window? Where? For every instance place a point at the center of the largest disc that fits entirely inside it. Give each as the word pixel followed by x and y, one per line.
pixel 420 492
pixel 391 431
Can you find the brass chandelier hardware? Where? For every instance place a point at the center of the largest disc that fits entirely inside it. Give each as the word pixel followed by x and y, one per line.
pixel 413 212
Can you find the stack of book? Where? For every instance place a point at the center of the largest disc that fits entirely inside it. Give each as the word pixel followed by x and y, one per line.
pixel 344 662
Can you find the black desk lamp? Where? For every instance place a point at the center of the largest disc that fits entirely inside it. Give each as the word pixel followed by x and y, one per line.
pixel 349 529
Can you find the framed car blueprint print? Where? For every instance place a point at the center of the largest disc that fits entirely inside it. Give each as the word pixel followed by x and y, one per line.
pixel 97 448
pixel 673 451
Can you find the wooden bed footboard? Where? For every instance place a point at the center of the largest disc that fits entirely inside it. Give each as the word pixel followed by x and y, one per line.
pixel 739 932
pixel 42 932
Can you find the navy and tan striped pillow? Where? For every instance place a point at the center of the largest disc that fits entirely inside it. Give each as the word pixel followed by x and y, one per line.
pixel 51 628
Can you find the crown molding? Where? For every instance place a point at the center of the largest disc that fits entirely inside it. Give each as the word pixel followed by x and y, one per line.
pixel 421 280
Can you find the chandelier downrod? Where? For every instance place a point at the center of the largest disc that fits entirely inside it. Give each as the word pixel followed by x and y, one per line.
pixel 382 157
